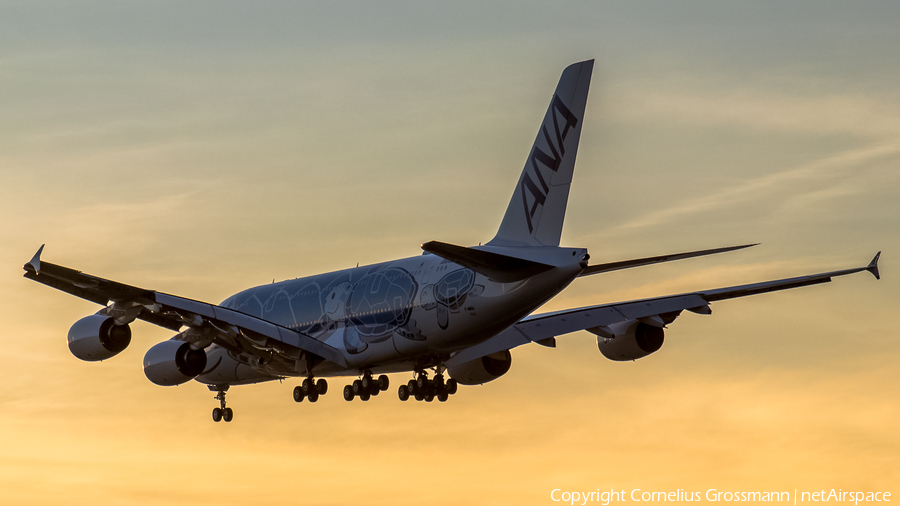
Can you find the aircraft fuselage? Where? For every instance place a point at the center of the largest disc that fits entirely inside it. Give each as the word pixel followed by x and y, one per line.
pixel 385 317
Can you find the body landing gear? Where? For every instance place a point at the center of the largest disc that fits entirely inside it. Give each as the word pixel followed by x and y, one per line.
pixel 424 389
pixel 310 389
pixel 366 387
pixel 221 413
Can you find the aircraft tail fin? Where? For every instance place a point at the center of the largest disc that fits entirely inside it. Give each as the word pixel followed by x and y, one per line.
pixel 537 209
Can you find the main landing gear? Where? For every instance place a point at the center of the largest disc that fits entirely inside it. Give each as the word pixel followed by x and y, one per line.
pixel 222 413
pixel 310 389
pixel 366 387
pixel 424 389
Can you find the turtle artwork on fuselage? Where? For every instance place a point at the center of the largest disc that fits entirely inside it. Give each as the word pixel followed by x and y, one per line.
pixel 379 303
pixel 449 294
pixel 360 310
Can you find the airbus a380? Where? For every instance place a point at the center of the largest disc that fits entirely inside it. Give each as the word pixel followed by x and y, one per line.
pixel 453 310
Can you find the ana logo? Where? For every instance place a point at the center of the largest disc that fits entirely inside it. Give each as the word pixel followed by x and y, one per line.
pixel 558 113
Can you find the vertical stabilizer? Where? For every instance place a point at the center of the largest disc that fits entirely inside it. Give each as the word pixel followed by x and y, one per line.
pixel 538 206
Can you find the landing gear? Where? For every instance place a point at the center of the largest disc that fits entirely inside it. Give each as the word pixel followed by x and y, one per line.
pixel 310 389
pixel 366 387
pixel 424 389
pixel 222 413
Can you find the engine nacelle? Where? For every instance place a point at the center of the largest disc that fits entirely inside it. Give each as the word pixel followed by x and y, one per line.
pixel 171 363
pixel 481 370
pixel 97 337
pixel 633 340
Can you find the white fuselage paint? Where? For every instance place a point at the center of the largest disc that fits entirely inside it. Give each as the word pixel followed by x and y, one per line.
pixel 388 317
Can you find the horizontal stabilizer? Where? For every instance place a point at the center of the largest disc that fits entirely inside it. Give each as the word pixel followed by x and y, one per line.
pixel 500 268
pixel 627 264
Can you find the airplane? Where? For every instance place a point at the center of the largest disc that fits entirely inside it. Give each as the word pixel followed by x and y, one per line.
pixel 454 309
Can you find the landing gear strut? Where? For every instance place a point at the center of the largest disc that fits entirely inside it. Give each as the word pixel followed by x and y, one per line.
pixel 366 387
pixel 222 413
pixel 310 389
pixel 423 389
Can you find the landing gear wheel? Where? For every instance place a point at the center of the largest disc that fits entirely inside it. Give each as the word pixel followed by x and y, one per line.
pixel 221 413
pixel 313 396
pixel 413 387
pixel 305 388
pixel 384 382
pixel 443 396
pixel 364 396
pixel 321 387
pixel 403 392
pixel 298 394
pixel 348 393
pixel 357 387
pixel 451 386
pixel 366 382
pixel 429 397
pixel 438 382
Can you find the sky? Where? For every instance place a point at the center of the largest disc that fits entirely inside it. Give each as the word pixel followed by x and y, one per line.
pixel 201 148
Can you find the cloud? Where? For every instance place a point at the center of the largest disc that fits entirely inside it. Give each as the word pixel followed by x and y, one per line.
pixel 831 170
pixel 764 107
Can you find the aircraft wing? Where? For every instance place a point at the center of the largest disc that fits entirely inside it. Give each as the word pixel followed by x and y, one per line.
pixel 543 328
pixel 231 329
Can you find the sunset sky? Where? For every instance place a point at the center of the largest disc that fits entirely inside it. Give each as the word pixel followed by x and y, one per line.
pixel 199 148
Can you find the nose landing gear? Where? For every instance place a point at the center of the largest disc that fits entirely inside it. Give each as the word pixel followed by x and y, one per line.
pixel 221 413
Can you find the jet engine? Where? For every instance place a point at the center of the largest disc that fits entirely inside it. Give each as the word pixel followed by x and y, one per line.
pixel 629 340
pixel 171 363
pixel 481 370
pixel 97 337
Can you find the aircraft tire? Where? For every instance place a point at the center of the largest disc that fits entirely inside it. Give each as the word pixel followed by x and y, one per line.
pixel 364 396
pixel 348 393
pixel 217 414
pixel 452 386
pixel 321 387
pixel 298 394
pixel 443 396
pixel 357 387
pixel 384 382
pixel 227 415
pixel 403 392
pixel 313 396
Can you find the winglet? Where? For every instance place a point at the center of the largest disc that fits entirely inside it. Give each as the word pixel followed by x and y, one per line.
pixel 35 264
pixel 873 266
